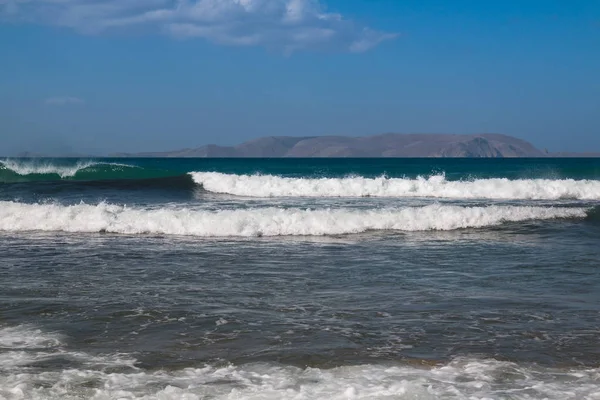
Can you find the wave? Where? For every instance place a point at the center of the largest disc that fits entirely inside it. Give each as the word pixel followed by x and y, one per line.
pixel 65 175
pixel 435 186
pixel 46 168
pixel 75 374
pixel 112 218
pixel 460 379
pixel 63 170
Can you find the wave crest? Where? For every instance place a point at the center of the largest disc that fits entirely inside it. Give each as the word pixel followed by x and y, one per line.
pixel 26 168
pixel 435 187
pixel 263 221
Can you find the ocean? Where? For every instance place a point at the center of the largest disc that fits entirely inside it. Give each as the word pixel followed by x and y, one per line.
pixel 300 279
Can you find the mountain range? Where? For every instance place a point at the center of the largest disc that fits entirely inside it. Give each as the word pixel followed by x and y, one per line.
pixel 385 145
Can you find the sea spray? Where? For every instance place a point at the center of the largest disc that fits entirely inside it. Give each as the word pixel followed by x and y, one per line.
pixel 46 167
pixel 33 170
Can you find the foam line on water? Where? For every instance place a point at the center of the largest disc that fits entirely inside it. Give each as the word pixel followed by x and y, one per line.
pixel 26 337
pixel 105 217
pixel 42 370
pixel 436 186
pixel 116 377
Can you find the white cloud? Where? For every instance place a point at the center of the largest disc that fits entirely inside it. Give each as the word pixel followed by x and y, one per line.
pixel 63 101
pixel 287 25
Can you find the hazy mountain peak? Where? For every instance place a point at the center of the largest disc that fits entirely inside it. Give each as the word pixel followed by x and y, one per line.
pixel 383 145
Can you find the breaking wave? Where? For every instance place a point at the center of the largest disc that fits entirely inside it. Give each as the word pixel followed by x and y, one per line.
pixel 28 167
pixel 34 170
pixel 80 375
pixel 435 186
pixel 111 218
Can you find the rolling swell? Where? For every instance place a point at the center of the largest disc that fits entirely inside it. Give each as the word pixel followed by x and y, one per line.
pixel 178 182
pixel 34 170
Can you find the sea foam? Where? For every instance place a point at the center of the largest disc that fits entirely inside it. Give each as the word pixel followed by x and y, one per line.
pixel 263 221
pixel 27 337
pixel 61 373
pixel 461 380
pixel 435 187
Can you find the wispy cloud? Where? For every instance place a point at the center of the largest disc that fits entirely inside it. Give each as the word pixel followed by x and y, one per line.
pixel 287 25
pixel 63 101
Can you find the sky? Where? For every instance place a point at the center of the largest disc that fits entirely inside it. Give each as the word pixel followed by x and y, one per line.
pixel 102 76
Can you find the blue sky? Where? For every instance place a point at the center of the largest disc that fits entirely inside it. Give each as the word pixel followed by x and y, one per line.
pixel 98 76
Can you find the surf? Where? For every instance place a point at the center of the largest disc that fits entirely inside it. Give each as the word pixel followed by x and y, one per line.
pixel 256 222
pixel 78 374
pixel 43 170
pixel 436 186
pixel 31 170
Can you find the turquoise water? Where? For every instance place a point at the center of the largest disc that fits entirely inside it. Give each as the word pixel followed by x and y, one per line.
pixel 300 279
pixel 19 170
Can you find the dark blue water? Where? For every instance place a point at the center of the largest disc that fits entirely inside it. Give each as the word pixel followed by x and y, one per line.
pixel 300 279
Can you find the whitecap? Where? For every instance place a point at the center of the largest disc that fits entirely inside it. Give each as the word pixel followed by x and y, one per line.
pixel 434 187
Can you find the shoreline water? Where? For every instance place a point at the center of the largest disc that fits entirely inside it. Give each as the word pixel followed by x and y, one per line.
pixel 127 288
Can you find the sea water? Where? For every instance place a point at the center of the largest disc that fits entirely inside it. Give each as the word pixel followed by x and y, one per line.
pixel 300 279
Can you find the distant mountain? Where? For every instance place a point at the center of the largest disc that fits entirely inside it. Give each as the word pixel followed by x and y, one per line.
pixel 386 145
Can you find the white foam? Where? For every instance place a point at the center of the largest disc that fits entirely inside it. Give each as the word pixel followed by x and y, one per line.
pixel 30 167
pixel 79 375
pixel 263 221
pixel 458 380
pixel 435 186
pixel 27 337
